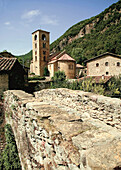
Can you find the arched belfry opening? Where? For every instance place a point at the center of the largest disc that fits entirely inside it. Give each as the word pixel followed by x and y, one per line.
pixel 35 37
pixel 43 37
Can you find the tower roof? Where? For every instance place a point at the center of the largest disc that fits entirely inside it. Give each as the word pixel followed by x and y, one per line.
pixel 40 31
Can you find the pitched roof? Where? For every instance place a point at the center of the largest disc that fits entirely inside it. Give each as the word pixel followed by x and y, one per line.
pixel 53 55
pixel 66 57
pixel 79 66
pixel 53 61
pixel 60 56
pixel 102 55
pixel 6 64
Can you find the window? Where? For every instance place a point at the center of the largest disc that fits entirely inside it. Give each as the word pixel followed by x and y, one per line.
pixel 44 45
pixel 44 52
pixel 35 52
pixel 70 67
pixel 107 73
pixel 97 64
pixel 35 45
pixel 106 63
pixel 43 37
pixel 35 37
pixel 118 64
pixel 35 58
pixel 44 58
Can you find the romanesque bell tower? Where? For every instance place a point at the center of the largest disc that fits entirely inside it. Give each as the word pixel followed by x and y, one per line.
pixel 40 43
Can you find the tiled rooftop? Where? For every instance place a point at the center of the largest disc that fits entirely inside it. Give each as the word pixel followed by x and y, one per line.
pixel 6 64
pixel 66 57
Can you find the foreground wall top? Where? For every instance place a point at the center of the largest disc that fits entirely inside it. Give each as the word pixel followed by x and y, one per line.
pixel 65 129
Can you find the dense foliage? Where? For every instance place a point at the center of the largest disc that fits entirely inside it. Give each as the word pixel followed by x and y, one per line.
pixel 111 89
pixel 9 159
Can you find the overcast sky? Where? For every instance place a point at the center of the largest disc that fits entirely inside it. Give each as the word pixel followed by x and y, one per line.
pixel 19 18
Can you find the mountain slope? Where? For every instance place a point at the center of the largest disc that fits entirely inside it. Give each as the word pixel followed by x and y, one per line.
pixel 93 36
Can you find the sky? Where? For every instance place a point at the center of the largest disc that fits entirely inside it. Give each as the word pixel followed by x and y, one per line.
pixel 19 18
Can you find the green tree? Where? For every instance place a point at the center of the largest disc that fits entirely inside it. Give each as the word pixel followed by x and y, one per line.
pixel 46 71
pixel 77 54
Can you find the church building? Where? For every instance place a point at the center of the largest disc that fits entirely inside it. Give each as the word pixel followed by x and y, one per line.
pixel 42 58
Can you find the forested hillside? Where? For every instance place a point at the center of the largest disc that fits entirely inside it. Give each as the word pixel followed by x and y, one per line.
pixel 25 59
pixel 93 36
pixel 90 37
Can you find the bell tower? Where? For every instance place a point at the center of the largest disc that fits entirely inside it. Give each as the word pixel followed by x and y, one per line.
pixel 41 50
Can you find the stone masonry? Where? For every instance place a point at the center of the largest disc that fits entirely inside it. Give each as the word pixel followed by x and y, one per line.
pixel 62 129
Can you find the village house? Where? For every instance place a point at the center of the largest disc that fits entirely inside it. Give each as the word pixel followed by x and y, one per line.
pixel 63 62
pixel 107 64
pixel 12 74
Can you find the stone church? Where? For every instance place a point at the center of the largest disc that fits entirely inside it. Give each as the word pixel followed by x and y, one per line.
pixel 42 58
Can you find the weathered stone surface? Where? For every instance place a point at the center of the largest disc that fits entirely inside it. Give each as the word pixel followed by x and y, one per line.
pixel 65 130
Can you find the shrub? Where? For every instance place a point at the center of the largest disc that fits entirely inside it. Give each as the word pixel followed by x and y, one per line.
pixel 36 78
pixel 59 80
pixel 32 73
pixel 113 87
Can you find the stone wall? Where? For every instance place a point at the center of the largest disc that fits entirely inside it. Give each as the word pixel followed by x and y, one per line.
pixel 62 129
pixel 99 107
pixel 3 82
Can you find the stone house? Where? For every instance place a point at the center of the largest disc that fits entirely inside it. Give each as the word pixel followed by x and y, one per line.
pixel 107 64
pixel 62 62
pixel 12 74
